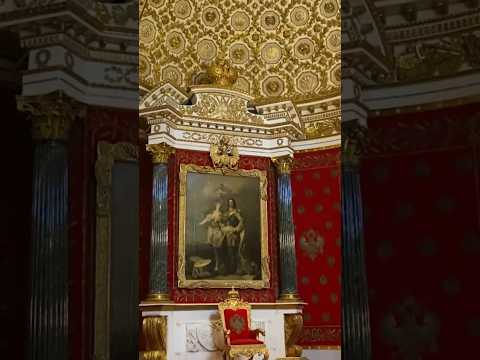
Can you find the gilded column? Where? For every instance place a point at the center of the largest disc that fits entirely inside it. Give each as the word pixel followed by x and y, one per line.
pixel 158 286
pixel 48 318
pixel 286 236
pixel 355 313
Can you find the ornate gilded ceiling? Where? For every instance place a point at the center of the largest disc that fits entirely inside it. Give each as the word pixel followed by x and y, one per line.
pixel 281 49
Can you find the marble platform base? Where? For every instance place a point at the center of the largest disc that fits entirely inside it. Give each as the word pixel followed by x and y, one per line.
pixel 194 331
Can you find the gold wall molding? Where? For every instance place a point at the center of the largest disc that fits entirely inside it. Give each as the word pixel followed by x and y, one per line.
pixel 107 154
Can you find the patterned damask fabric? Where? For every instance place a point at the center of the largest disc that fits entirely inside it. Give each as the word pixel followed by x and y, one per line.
pixel 422 239
pixel 316 214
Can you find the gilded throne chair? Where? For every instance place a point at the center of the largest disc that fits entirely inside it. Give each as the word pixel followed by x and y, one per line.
pixel 240 340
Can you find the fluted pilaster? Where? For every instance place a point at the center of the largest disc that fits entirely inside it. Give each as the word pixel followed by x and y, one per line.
pixel 158 285
pixel 355 312
pixel 286 236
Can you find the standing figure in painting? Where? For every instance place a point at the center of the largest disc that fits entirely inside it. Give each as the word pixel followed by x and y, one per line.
pixel 215 235
pixel 234 230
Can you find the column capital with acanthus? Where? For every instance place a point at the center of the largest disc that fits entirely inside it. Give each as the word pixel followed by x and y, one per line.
pixel 283 164
pixel 52 115
pixel 160 152
pixel 354 142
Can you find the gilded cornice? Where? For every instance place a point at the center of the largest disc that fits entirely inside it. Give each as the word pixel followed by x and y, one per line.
pixel 227 111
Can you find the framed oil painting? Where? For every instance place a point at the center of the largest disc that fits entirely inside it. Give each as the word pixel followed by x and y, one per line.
pixel 223 228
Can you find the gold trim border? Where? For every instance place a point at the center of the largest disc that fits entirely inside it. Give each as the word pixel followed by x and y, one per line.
pixel 241 284
pixel 322 347
pixel 107 154
pixel 320 148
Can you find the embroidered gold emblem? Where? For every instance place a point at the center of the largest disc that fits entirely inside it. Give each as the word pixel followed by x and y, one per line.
pixel 237 323
pixel 312 243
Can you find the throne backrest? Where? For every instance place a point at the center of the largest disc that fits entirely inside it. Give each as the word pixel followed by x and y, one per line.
pixel 235 315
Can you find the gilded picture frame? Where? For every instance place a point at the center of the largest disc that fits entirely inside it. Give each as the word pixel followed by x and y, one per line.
pixel 223 228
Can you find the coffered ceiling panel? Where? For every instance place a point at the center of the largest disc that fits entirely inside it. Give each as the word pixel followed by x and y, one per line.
pixel 286 49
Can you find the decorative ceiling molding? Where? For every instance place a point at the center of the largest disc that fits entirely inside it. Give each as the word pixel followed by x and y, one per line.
pixel 196 120
pixel 85 48
pixel 282 50
pixel 432 54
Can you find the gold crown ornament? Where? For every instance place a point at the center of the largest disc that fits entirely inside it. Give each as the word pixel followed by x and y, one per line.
pixel 221 73
pixel 233 294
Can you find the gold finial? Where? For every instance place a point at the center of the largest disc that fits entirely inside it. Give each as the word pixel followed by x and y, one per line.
pixel 160 152
pixel 221 73
pixel 283 164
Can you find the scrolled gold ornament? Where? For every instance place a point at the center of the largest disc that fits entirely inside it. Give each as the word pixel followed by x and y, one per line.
pixel 224 154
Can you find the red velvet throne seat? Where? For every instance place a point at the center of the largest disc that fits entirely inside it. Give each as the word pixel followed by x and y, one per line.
pixel 240 339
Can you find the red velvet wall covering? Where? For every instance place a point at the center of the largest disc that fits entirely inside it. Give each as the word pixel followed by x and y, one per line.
pixel 100 124
pixel 422 233
pixel 215 295
pixel 316 214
